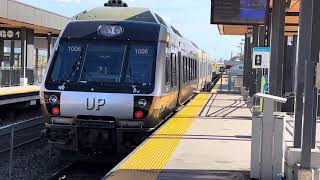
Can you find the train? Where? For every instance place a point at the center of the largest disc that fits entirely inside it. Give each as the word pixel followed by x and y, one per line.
pixel 116 74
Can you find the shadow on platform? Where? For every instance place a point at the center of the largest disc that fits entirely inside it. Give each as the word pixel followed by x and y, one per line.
pixel 178 174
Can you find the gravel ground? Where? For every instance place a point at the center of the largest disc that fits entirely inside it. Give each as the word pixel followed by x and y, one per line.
pixel 21 115
pixel 31 162
pixel 87 171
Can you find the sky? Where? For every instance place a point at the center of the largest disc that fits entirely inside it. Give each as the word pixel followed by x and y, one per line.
pixel 190 17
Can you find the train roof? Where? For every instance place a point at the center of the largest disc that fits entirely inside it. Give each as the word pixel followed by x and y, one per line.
pixel 118 14
pixel 137 14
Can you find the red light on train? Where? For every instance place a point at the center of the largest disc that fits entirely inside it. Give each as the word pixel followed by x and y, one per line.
pixel 138 114
pixel 55 110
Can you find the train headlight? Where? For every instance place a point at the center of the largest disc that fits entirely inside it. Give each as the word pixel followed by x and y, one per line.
pixel 105 30
pixel 53 99
pixel 110 30
pixel 142 103
pixel 118 30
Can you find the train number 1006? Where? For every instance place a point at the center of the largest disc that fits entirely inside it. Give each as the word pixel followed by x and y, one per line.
pixel 74 48
pixel 142 51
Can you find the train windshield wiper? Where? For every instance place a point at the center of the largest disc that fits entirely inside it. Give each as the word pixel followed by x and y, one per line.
pixel 76 68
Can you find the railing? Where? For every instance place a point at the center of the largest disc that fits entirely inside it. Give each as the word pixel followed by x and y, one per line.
pixel 18 134
pixel 231 82
pixel 11 76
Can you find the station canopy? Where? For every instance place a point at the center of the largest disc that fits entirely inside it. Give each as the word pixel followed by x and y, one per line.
pixel 14 14
pixel 291 22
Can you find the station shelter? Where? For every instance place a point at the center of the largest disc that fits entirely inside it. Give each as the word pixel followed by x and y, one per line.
pixel 291 31
pixel 27 34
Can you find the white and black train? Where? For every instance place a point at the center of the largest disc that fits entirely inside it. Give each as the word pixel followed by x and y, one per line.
pixel 115 74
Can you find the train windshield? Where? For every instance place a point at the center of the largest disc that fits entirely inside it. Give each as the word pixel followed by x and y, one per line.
pixel 103 63
pixel 140 65
pixel 67 62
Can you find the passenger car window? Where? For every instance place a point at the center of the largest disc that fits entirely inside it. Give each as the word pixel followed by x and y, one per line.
pixel 196 69
pixel 167 71
pixel 189 69
pixel 185 69
pixel 173 70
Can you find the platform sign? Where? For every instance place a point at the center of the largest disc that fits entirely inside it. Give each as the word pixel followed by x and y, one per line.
pixel 242 12
pixel 10 34
pixel 261 57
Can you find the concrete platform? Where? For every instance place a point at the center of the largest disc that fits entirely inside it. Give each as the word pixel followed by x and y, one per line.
pixel 17 94
pixel 216 145
pixel 5 91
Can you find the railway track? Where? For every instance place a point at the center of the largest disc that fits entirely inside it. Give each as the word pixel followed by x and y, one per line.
pixel 84 170
pixel 20 133
pixel 89 170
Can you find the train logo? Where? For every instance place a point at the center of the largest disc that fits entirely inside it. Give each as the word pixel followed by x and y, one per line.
pixel 95 104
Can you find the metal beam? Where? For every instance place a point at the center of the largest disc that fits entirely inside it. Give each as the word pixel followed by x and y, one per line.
pixel 299 85
pixel 292 24
pixel 12 53
pixel 288 69
pixel 261 43
pixel 27 47
pixel 292 13
pixel 246 62
pixel 253 82
pixel 251 78
pixel 1 51
pixel 308 52
pixel 277 49
pixel 23 53
pixel 49 38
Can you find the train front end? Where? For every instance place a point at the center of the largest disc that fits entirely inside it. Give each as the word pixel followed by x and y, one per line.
pixel 99 90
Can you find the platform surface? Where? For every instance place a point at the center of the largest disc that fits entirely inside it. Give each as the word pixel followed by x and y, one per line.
pixel 208 139
pixel 7 91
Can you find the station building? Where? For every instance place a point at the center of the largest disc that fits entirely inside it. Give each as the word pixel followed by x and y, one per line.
pixel 27 34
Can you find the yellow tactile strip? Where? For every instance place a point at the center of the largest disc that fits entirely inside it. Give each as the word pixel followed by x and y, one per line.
pixel 6 91
pixel 157 150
